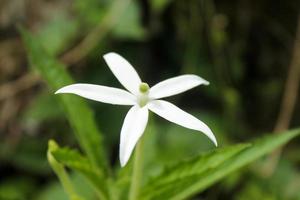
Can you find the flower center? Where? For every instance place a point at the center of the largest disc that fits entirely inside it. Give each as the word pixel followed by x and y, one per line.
pixel 144 87
pixel 143 96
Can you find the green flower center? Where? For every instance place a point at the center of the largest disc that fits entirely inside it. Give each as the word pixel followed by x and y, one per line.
pixel 143 97
pixel 144 87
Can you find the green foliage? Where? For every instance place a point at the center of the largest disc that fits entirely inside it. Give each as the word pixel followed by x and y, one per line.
pixel 29 155
pixel 78 113
pixel 190 177
pixel 159 5
pixel 60 171
pixel 217 40
pixel 74 160
pixel 90 11
pixel 17 188
pixel 179 182
pixel 53 190
pixel 130 27
pixel 56 35
pixel 43 108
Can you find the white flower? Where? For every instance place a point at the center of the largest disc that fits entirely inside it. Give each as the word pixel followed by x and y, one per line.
pixel 141 98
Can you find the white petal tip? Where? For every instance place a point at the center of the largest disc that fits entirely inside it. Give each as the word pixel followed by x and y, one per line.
pixel 203 81
pixel 62 90
pixel 108 55
pixel 58 92
pixel 215 143
pixel 213 138
pixel 123 162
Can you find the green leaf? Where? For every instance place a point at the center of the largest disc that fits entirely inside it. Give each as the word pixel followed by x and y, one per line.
pixel 60 171
pixel 78 113
pixel 194 176
pixel 74 160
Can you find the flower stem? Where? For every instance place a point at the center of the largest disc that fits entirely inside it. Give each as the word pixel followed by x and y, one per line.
pixel 137 171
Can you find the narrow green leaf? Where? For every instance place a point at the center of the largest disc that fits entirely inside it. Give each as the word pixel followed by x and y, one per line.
pixel 77 111
pixel 194 176
pixel 74 160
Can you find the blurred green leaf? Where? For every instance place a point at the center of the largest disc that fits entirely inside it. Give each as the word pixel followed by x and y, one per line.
pixel 254 190
pixel 190 168
pixel 61 172
pixel 43 107
pixel 159 5
pixel 78 113
pixel 18 188
pixel 54 191
pixel 130 26
pixel 29 155
pixel 74 160
pixel 190 177
pixel 56 35
pixel 90 12
pixel 283 184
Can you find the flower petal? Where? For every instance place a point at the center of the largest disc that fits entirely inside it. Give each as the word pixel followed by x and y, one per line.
pixel 133 127
pixel 124 72
pixel 176 115
pixel 100 93
pixel 176 85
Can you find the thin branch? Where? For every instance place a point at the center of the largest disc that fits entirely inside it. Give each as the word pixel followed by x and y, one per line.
pixel 291 88
pixel 288 102
pixel 12 88
pixel 8 111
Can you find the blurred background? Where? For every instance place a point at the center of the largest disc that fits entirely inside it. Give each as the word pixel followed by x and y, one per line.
pixel 249 50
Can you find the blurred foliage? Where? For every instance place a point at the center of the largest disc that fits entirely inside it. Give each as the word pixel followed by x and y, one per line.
pixel 242 47
pixel 190 177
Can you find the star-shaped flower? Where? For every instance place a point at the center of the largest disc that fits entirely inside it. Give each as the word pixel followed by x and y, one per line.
pixel 142 99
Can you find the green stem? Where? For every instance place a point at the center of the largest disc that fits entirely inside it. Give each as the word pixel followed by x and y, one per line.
pixel 137 171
